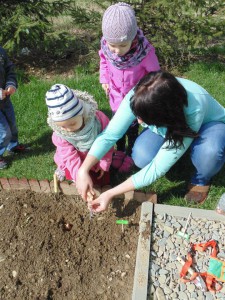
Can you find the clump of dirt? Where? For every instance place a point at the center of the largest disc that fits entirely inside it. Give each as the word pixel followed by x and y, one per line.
pixel 51 249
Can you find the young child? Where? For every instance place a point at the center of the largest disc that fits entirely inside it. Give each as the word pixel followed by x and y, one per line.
pixel 8 129
pixel 125 57
pixel 75 121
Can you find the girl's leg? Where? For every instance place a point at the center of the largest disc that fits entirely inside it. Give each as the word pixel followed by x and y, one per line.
pixel 146 147
pixel 121 144
pixel 132 134
pixel 5 133
pixel 208 152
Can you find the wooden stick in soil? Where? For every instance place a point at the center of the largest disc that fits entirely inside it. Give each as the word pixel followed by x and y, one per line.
pixel 55 180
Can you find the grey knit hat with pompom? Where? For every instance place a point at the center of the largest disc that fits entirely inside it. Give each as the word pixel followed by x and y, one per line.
pixel 119 23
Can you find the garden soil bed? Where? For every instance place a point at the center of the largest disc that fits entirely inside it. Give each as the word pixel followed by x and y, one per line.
pixel 41 259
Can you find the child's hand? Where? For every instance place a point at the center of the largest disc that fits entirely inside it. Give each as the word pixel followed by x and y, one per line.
pixel 83 183
pixel 90 196
pixel 3 94
pixel 99 170
pixel 10 90
pixel 105 87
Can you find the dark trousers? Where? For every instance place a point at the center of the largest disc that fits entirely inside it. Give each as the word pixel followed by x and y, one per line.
pixel 131 134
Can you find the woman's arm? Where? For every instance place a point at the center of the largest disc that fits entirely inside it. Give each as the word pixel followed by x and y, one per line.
pixel 105 140
pixel 106 160
pixel 115 129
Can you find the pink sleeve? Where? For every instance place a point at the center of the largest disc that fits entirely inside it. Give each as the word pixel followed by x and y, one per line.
pixel 106 160
pixel 151 61
pixel 103 76
pixel 66 156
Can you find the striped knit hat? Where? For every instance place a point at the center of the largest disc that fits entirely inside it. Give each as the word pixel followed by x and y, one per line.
pixel 62 103
pixel 119 23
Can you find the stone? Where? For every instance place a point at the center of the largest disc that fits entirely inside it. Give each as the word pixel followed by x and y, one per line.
pixel 34 185
pixel 14 183
pixel 139 196
pixel 160 294
pixel 45 186
pixel 5 184
pixel 24 184
pixel 151 197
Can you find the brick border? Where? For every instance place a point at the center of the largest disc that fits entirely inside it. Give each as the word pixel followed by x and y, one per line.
pixel 46 186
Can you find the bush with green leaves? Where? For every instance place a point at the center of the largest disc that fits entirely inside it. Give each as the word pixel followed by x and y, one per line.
pixel 178 29
pixel 25 23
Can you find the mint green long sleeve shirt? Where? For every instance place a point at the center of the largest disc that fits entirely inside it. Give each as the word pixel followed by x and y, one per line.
pixel 202 108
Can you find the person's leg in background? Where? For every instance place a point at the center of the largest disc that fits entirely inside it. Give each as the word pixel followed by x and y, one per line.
pixel 11 119
pixel 208 157
pixel 14 146
pixel 121 144
pixel 5 137
pixel 132 134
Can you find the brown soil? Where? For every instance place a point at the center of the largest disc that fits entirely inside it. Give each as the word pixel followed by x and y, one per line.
pixel 50 249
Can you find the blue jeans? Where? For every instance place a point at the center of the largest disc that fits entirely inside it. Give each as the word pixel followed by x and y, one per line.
pixel 207 151
pixel 8 128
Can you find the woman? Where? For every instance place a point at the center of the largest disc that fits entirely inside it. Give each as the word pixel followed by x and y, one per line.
pixel 177 114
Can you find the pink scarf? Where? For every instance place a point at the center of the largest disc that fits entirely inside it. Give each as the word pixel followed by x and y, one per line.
pixel 140 47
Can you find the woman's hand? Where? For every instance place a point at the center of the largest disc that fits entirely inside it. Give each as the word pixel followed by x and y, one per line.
pixel 84 183
pixel 101 203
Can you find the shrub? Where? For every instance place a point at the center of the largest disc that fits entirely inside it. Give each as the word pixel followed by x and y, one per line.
pixel 180 28
pixel 176 28
pixel 26 22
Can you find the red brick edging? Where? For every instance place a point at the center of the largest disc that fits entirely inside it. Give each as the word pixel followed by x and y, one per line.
pixel 46 186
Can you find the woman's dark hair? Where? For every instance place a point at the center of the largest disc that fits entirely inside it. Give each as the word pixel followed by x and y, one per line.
pixel 159 100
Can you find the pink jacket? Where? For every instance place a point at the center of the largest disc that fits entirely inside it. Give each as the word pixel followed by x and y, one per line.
pixel 122 81
pixel 68 157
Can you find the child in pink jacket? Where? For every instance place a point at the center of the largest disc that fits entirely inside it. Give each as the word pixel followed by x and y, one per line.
pixel 125 57
pixel 76 122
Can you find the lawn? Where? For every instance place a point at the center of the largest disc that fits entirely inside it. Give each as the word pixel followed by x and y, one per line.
pixel 31 113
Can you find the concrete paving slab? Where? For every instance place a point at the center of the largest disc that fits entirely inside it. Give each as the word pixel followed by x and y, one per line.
pixel 143 253
pixel 179 211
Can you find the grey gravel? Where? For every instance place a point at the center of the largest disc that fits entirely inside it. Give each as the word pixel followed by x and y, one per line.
pixel 166 246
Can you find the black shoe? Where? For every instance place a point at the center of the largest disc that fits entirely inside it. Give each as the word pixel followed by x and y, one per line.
pixel 20 148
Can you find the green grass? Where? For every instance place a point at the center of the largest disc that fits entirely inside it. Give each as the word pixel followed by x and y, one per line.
pixel 31 113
